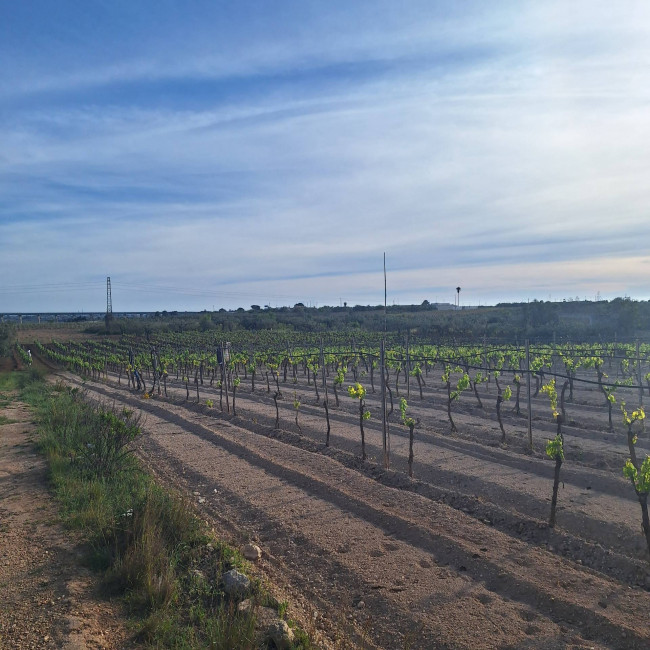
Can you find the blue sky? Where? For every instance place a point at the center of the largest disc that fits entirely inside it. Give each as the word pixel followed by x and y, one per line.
pixel 234 153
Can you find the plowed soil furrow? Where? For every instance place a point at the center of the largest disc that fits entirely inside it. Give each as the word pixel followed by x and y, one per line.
pixel 590 432
pixel 602 506
pixel 416 564
pixel 599 505
pixel 597 511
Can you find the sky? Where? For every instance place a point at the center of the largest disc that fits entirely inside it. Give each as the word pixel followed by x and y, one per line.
pixel 222 154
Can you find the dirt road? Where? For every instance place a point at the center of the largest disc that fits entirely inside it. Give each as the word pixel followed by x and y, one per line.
pixel 47 598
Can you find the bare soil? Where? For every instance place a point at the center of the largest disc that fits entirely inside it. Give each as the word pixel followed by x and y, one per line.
pixel 48 599
pixel 49 334
pixel 461 557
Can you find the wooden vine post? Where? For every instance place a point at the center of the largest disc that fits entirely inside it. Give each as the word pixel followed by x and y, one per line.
pixel 385 441
pixel 222 352
pixel 530 407
pixel 325 404
pixel 639 379
pixel 408 369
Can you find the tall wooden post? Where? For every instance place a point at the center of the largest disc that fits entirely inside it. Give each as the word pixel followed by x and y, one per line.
pixel 530 407
pixel 224 375
pixel 408 369
pixel 322 366
pixel 382 359
pixel 485 362
pixel 639 378
pixel 638 372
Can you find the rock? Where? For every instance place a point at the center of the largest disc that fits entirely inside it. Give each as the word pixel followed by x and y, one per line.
pixel 281 634
pixel 252 552
pixel 264 618
pixel 235 583
pixel 245 606
pixel 201 499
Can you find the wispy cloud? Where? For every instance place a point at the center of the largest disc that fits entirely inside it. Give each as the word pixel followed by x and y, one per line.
pixel 502 148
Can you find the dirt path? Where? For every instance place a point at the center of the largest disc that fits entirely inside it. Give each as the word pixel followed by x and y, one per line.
pixel 47 599
pixel 387 566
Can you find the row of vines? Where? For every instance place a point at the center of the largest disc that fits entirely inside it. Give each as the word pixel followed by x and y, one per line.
pixel 492 377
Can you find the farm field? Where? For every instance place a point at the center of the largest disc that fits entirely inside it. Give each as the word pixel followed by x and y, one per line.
pixel 459 555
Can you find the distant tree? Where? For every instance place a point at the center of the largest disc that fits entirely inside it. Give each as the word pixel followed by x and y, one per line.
pixel 626 312
pixel 205 323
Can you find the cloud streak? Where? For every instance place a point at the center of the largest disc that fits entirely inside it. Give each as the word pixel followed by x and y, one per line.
pixel 502 149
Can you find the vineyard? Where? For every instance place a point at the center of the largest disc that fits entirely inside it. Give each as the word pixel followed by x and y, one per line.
pixel 536 448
